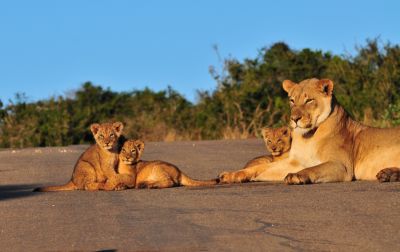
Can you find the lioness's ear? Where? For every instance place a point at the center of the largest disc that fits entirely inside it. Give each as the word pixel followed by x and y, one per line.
pixel 326 86
pixel 287 85
pixel 118 127
pixel 264 132
pixel 94 128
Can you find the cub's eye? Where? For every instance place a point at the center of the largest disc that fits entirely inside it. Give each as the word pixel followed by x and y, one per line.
pixel 133 151
pixel 101 136
pixel 309 101
pixel 291 101
pixel 123 151
pixel 112 135
pixel 279 141
pixel 269 142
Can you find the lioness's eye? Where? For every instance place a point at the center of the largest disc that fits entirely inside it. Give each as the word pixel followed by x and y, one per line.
pixel 112 135
pixel 133 151
pixel 292 101
pixel 269 141
pixel 279 141
pixel 309 100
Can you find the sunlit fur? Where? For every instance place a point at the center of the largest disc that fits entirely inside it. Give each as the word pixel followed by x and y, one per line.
pixel 277 142
pixel 98 163
pixel 328 145
pixel 152 174
pixel 310 105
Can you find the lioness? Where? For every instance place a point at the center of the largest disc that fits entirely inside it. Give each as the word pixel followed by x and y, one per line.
pixel 329 146
pixel 97 163
pixel 277 142
pixel 150 174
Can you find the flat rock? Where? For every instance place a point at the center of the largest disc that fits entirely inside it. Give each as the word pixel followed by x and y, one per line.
pixel 361 216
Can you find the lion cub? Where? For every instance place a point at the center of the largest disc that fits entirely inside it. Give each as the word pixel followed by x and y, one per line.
pixel 97 164
pixel 277 142
pixel 150 174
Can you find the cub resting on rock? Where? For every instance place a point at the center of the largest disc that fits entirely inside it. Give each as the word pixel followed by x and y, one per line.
pixel 328 145
pixel 136 173
pixel 277 142
pixel 97 163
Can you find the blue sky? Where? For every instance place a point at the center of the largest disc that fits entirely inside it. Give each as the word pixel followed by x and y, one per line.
pixel 51 47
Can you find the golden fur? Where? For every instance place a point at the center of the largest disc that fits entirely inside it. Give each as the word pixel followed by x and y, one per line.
pixel 329 146
pixel 277 142
pixel 97 163
pixel 150 174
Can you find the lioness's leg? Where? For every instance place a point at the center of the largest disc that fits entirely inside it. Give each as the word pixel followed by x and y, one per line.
pixel 276 171
pixel 389 175
pixel 249 171
pixel 322 173
pixel 243 175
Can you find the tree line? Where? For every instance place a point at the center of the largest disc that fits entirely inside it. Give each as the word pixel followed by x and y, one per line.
pixel 247 97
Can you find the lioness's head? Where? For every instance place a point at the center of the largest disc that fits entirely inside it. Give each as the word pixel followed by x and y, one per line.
pixel 310 103
pixel 107 134
pixel 131 151
pixel 277 140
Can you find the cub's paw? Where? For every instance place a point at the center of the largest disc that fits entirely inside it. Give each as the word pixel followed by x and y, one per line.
pixel 297 179
pixel 389 175
pixel 120 187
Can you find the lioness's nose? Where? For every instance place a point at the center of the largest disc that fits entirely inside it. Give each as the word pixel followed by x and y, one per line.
pixel 295 117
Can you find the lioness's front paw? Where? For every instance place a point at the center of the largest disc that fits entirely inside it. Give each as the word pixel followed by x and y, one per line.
pixel 297 179
pixel 389 175
pixel 232 177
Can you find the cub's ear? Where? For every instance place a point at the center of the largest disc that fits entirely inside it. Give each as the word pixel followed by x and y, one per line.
pixel 118 127
pixel 95 128
pixel 326 86
pixel 287 85
pixel 264 132
pixel 140 145
pixel 285 131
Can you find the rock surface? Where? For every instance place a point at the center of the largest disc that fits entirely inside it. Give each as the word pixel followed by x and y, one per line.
pixel 362 216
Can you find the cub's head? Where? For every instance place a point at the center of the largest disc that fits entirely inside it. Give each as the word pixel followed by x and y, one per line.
pixel 131 151
pixel 277 140
pixel 310 103
pixel 107 134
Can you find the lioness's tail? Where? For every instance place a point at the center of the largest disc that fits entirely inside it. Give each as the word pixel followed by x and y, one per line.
pixel 67 187
pixel 186 181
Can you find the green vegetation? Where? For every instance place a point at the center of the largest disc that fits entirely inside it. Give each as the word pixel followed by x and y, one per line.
pixel 248 96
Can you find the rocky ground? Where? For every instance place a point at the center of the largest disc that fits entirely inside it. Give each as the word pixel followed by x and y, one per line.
pixel 360 216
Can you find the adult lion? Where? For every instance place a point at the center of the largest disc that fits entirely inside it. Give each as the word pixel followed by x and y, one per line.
pixel 329 146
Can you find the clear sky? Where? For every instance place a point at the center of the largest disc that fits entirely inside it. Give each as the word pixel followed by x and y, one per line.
pixel 50 47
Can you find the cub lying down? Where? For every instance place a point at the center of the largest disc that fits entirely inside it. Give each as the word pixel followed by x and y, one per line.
pixel 136 173
pixel 277 142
